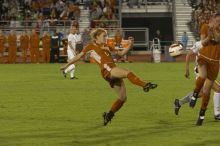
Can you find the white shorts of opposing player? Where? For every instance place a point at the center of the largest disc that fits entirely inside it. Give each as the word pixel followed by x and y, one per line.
pixel 71 68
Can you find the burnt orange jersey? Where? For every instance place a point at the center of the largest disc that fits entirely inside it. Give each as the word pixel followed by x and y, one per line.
pixel 46 41
pixel 12 41
pixel 2 42
pixel 212 50
pixel 34 41
pixel 102 56
pixel 24 41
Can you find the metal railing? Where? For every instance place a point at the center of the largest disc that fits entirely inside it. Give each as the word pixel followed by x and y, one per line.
pixel 141 35
pixel 63 25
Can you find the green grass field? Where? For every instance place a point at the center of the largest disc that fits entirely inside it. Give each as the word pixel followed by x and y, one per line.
pixel 38 107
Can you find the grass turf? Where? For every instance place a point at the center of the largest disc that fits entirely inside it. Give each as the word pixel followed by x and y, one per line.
pixel 38 107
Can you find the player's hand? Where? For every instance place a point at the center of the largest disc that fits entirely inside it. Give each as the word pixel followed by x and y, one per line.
pixel 187 75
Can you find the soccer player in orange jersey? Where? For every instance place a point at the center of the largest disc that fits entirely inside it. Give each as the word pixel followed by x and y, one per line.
pixel 2 43
pixel 109 70
pixel 24 45
pixel 46 41
pixel 216 86
pixel 208 61
pixel 34 47
pixel 12 47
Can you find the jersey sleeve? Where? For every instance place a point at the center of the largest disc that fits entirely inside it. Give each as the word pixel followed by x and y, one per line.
pixel 87 48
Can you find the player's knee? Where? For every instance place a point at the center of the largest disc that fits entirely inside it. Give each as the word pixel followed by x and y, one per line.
pixel 123 98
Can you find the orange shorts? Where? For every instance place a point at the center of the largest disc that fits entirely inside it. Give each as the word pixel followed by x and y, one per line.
pixel 112 82
pixel 212 68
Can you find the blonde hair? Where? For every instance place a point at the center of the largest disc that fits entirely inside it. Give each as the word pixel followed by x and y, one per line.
pixel 97 32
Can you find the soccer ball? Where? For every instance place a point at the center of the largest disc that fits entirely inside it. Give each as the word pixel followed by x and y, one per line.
pixel 175 50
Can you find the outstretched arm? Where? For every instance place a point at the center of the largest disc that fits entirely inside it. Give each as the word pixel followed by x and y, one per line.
pixel 72 61
pixel 125 51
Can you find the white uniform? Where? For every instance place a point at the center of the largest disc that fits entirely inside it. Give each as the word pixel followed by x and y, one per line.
pixel 79 37
pixel 71 53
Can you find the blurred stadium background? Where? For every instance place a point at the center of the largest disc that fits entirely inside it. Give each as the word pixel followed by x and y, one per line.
pixel 145 20
pixel 39 107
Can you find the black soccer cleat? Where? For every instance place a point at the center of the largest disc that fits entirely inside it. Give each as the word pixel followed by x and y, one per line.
pixel 107 117
pixel 200 121
pixel 177 106
pixel 74 78
pixel 192 102
pixel 201 117
pixel 149 86
pixel 64 74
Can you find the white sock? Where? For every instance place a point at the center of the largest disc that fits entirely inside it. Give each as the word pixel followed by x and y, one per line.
pixel 216 102
pixel 70 68
pixel 72 73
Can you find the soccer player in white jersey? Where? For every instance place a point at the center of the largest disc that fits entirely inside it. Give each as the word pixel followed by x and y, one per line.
pixel 216 87
pixel 71 52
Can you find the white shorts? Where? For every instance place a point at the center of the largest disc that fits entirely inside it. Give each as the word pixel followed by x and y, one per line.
pixel 70 54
